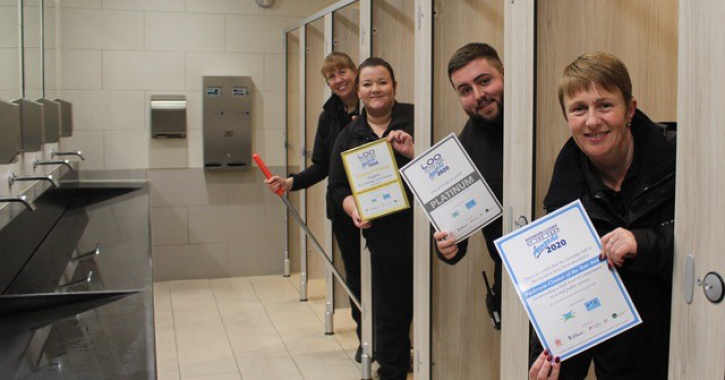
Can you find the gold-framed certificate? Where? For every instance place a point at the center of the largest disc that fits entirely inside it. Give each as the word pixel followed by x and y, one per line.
pixel 374 180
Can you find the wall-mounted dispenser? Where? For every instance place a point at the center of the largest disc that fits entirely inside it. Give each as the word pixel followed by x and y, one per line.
pixel 227 121
pixel 32 123
pixel 10 143
pixel 66 118
pixel 168 116
pixel 51 120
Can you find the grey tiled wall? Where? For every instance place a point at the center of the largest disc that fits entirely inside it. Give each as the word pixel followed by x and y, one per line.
pixel 208 224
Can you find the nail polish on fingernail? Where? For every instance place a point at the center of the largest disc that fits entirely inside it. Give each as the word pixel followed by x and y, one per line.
pixel 557 360
pixel 546 351
pixel 548 358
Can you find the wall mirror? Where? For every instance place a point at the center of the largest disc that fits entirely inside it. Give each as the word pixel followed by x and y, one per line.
pixel 32 72
pixel 10 81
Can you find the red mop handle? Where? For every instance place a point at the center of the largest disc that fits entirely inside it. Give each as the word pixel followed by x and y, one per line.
pixel 265 170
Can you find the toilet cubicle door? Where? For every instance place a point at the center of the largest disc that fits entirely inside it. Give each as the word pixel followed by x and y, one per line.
pixel 345 39
pixel 314 100
pixel 464 343
pixel 697 335
pixel 293 154
pixel 644 37
pixel 392 40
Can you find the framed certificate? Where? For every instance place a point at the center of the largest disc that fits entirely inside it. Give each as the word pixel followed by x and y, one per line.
pixel 374 180
pixel 451 190
pixel 574 301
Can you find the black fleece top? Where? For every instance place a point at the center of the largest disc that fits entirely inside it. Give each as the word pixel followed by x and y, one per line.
pixel 397 226
pixel 333 119
pixel 484 144
pixel 645 206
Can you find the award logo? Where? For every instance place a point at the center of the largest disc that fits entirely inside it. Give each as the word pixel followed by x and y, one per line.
pixel 567 316
pixel 434 166
pixel 545 240
pixel 367 159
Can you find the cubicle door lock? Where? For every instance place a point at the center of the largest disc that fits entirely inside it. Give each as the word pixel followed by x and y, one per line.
pixel 714 287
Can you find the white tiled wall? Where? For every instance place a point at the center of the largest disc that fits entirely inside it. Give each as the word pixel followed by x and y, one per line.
pixel 116 54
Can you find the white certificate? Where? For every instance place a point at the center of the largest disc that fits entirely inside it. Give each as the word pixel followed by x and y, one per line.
pixel 574 301
pixel 451 190
pixel 373 175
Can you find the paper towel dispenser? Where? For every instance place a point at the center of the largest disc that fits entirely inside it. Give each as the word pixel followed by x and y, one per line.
pixel 66 118
pixel 227 114
pixel 51 120
pixel 32 123
pixel 168 116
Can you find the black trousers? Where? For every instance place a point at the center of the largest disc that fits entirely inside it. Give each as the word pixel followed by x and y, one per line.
pixel 348 239
pixel 393 309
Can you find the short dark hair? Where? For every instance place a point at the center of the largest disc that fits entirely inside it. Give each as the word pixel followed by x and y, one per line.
pixel 374 61
pixel 471 52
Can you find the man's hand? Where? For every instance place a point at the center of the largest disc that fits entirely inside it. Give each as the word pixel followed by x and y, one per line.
pixel 446 247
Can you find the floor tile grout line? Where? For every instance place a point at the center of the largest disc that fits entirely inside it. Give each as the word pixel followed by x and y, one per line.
pixel 279 335
pixel 176 338
pixel 173 322
pixel 323 326
pixel 226 333
pixel 322 322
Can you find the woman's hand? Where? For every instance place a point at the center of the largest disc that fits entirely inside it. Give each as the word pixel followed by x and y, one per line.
pixel 446 247
pixel 402 142
pixel 351 209
pixel 276 182
pixel 617 246
pixel 545 367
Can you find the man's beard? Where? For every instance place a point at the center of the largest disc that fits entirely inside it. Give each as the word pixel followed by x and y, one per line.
pixel 496 120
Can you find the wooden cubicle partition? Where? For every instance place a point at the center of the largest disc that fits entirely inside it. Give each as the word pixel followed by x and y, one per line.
pixel 464 343
pixel 345 39
pixel 642 33
pixel 346 31
pixel 314 100
pixel 293 154
pixel 392 40
pixel 696 346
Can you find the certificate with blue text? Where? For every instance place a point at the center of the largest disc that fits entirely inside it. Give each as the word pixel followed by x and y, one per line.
pixel 451 190
pixel 374 180
pixel 574 301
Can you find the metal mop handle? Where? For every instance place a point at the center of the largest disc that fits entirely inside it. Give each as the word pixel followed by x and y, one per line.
pixel 297 217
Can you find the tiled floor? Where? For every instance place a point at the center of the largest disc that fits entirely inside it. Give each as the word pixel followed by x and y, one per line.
pixel 250 328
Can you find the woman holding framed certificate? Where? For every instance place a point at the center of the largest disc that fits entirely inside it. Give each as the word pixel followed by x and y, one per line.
pixel 389 237
pixel 622 168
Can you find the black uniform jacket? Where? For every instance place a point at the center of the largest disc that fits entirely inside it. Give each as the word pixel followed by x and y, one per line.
pixel 333 119
pixel 646 207
pixel 484 144
pixel 393 230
